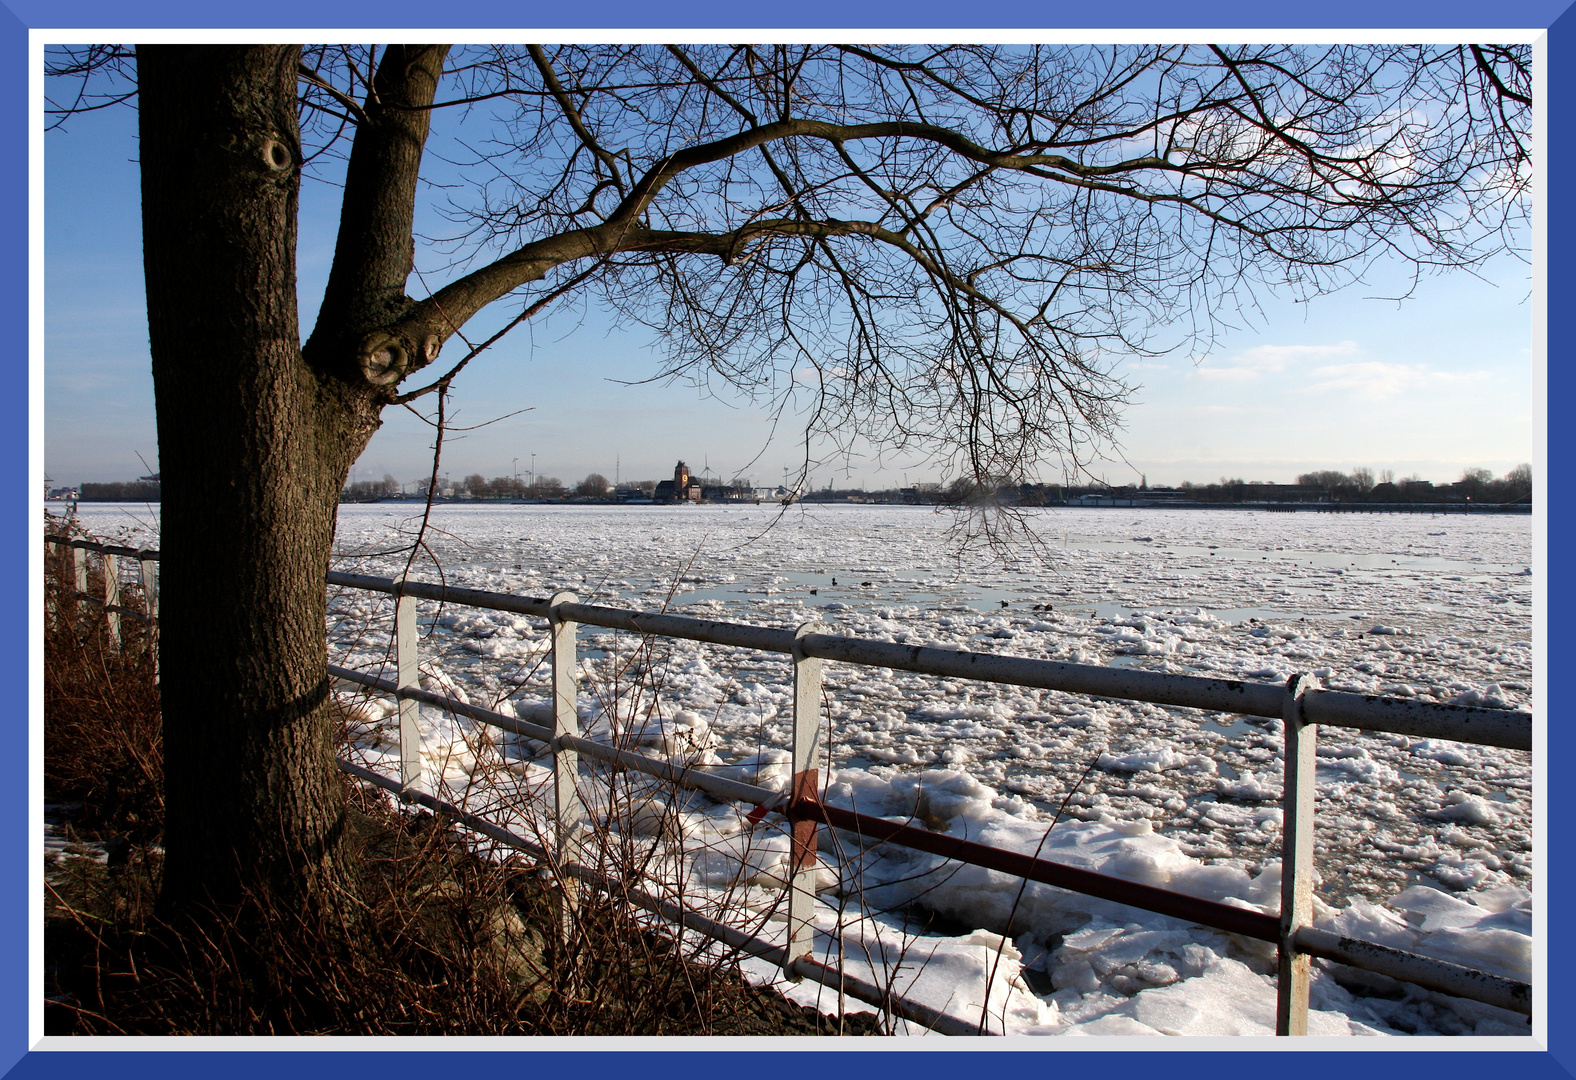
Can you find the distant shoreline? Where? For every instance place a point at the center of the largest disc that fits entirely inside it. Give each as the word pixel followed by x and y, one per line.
pixel 1113 504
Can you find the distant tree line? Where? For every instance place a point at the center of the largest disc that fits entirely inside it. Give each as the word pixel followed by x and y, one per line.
pixel 1360 485
pixel 129 491
pixel 1477 485
pixel 1325 485
pixel 371 490
pixel 478 486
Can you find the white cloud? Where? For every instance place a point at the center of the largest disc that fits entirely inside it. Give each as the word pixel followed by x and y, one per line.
pixel 1331 369
pixel 1261 360
pixel 1374 379
pixel 1225 375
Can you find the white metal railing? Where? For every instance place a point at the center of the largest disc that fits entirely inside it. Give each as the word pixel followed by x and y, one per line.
pixel 75 570
pixel 1301 705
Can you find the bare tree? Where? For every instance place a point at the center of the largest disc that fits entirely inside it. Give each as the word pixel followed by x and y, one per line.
pixel 949 249
pixel 1475 483
pixel 595 484
pixel 545 487
pixel 1329 479
pixel 1518 484
pixel 511 487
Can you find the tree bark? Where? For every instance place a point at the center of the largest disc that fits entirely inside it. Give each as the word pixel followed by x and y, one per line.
pixel 254 447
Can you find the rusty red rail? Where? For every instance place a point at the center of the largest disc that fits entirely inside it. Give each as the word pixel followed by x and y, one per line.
pixel 1234 920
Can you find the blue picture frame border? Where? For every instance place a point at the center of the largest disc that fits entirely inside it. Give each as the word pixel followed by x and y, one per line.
pixel 17 619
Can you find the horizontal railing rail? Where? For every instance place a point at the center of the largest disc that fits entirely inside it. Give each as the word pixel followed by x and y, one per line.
pixel 1504 728
pixel 1425 971
pixel 1300 705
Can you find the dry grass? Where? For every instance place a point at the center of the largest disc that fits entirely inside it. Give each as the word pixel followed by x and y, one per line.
pixel 450 946
pixel 101 715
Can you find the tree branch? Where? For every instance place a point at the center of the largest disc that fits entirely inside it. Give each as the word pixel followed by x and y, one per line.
pixel 375 250
pixel 1493 76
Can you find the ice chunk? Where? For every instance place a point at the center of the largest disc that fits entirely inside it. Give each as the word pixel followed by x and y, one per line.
pixel 1429 909
pixel 1472 809
pixel 770 769
pixel 1148 759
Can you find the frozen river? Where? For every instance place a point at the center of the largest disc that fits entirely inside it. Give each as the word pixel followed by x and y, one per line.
pixel 1437 608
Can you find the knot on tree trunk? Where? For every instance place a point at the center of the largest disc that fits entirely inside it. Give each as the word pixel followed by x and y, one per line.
pixel 386 358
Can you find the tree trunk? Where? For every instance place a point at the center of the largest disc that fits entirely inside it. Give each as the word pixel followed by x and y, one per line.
pixel 254 447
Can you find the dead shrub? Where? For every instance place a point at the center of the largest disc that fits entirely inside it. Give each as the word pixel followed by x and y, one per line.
pixel 101 712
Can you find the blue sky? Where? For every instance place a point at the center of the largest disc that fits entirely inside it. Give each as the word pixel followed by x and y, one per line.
pixel 1431 386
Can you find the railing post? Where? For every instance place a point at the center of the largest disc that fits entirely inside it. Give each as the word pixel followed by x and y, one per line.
pixel 52 553
pixel 150 596
pixel 79 568
pixel 112 599
pixel 566 762
pixel 150 582
pixel 1293 969
pixel 806 773
pixel 407 677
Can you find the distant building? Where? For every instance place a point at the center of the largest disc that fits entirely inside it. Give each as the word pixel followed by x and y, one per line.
pixel 680 489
